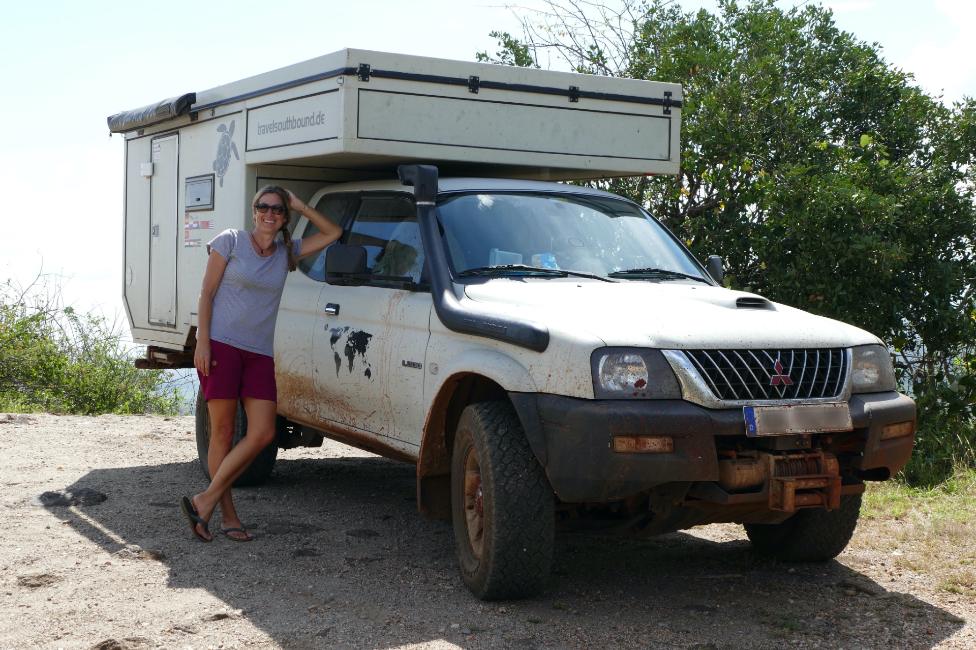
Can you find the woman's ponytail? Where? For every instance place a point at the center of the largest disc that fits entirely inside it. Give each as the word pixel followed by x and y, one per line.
pixel 289 249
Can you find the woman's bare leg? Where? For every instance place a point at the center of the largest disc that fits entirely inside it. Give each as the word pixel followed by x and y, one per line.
pixel 223 414
pixel 260 433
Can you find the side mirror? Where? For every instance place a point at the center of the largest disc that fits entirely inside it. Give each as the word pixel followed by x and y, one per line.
pixel 715 267
pixel 345 264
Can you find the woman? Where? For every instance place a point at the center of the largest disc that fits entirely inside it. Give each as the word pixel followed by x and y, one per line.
pixel 239 301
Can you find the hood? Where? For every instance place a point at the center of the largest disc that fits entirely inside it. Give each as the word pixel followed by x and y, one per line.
pixel 666 315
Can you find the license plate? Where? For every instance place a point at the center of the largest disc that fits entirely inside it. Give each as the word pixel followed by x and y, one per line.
pixel 802 418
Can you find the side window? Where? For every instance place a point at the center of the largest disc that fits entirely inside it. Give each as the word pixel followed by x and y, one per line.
pixel 386 226
pixel 337 208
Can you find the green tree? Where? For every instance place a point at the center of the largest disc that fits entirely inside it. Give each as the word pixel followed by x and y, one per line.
pixel 826 178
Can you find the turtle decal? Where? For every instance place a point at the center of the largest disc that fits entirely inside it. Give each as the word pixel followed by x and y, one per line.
pixel 225 148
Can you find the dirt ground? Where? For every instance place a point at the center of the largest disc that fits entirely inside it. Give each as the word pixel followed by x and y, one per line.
pixel 342 559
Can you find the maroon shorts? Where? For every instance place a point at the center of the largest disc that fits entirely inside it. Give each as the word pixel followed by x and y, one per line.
pixel 236 373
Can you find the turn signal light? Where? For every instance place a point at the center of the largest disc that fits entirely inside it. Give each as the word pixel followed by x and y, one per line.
pixel 897 430
pixel 643 444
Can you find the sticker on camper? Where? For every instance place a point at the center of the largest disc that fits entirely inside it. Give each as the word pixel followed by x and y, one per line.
pixel 225 147
pixel 190 225
pixel 298 121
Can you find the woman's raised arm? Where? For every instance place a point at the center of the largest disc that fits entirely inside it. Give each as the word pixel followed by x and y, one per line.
pixel 328 231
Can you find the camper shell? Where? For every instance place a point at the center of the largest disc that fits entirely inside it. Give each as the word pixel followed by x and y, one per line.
pixel 546 354
pixel 193 162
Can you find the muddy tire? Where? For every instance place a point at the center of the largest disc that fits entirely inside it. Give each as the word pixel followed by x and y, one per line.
pixel 809 535
pixel 502 505
pixel 258 471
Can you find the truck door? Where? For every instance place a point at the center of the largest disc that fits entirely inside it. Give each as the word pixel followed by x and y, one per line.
pixel 370 346
pixel 298 316
pixel 163 222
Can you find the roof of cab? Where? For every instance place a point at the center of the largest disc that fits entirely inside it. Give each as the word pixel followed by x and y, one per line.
pixel 454 185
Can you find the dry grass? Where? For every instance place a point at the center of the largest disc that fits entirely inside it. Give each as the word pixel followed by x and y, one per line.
pixel 927 531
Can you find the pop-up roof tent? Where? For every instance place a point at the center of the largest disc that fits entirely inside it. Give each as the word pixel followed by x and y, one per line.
pixel 356 108
pixel 193 161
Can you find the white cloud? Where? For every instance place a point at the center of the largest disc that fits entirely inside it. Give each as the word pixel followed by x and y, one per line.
pixel 959 12
pixel 946 62
pixel 72 225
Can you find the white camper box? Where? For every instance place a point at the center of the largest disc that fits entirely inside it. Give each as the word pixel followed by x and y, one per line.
pixel 192 163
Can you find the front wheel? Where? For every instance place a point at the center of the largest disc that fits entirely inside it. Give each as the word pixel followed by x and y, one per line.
pixel 809 535
pixel 260 468
pixel 502 505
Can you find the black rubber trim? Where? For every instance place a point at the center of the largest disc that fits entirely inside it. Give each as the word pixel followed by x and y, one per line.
pixel 329 74
pixel 569 92
pixel 667 102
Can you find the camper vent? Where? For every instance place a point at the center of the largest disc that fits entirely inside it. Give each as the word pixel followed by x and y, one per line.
pixel 754 302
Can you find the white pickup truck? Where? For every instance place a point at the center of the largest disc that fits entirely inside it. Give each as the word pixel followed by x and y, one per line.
pixel 548 355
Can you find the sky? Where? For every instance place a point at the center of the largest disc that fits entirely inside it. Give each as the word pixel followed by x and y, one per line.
pixel 65 66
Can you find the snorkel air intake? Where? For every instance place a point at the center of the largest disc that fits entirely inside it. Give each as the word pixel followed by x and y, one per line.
pixel 457 315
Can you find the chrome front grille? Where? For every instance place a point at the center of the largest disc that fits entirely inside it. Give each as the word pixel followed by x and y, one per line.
pixel 790 374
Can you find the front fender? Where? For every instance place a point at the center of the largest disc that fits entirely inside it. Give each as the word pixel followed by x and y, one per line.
pixel 488 372
pixel 495 365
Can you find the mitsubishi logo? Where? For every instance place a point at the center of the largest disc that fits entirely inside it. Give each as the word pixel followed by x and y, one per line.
pixel 779 378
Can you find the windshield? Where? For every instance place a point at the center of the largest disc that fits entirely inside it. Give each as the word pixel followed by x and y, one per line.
pixel 583 234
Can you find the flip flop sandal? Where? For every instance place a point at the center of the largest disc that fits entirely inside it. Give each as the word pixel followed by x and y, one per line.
pixel 186 505
pixel 246 538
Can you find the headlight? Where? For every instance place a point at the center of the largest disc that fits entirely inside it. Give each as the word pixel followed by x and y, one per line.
pixel 871 370
pixel 632 373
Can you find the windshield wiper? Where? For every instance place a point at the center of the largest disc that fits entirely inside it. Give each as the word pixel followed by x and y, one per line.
pixel 503 269
pixel 661 274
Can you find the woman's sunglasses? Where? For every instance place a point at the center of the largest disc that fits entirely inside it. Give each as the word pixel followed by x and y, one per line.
pixel 277 210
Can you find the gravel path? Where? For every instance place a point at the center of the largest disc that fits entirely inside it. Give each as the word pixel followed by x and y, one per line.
pixel 342 559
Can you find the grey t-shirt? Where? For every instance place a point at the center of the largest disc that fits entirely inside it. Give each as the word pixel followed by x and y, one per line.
pixel 245 306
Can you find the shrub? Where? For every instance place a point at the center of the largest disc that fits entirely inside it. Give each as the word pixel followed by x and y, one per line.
pixel 945 443
pixel 55 359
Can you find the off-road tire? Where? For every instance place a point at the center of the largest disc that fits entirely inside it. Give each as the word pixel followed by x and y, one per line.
pixel 809 535
pixel 518 506
pixel 260 468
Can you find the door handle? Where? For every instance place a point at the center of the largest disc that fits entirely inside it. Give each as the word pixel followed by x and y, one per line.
pixel 332 309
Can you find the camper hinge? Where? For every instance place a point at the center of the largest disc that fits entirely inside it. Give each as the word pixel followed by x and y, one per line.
pixel 667 102
pixel 474 83
pixel 363 72
pixel 574 94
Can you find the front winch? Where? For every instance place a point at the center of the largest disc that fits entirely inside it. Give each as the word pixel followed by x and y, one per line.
pixel 791 480
pixel 804 480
